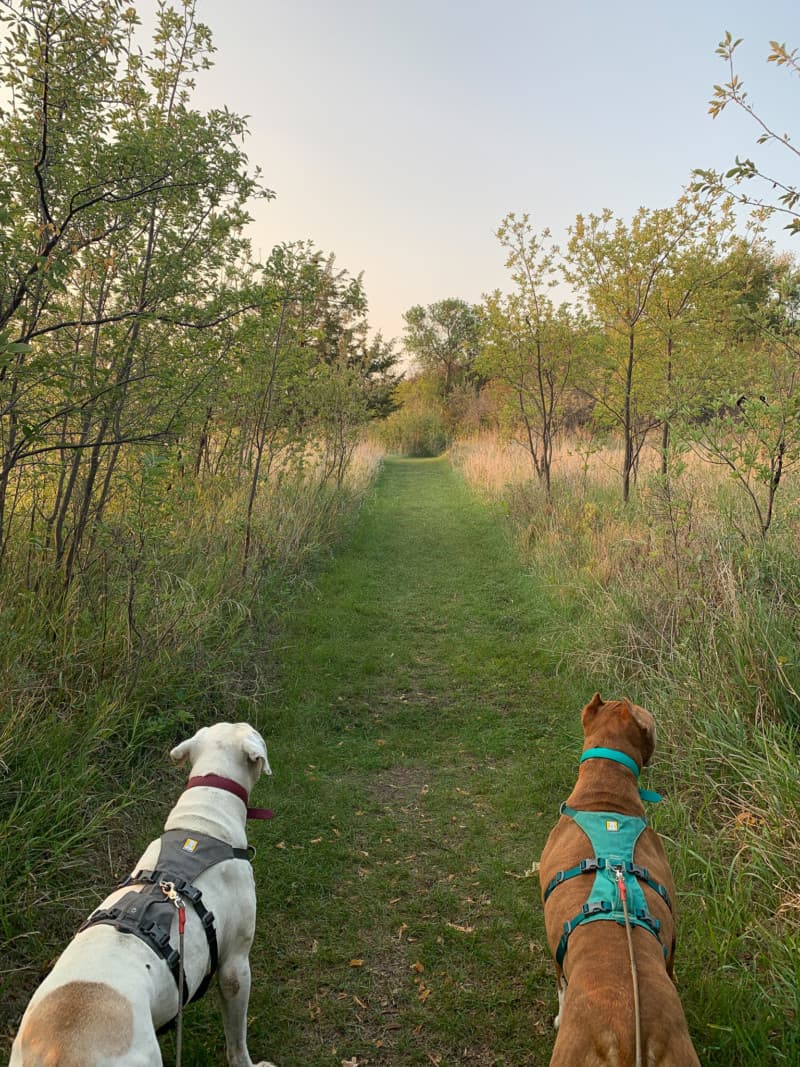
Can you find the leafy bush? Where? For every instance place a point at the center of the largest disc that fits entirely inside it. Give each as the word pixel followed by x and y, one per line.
pixel 417 433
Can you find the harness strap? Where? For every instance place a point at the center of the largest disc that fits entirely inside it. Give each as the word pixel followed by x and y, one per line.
pixel 150 933
pixel 130 914
pixel 195 898
pixel 603 909
pixel 597 863
pixel 616 835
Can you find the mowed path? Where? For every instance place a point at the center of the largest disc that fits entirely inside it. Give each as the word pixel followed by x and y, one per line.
pixel 421 741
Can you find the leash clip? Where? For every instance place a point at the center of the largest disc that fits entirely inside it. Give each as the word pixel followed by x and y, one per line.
pixel 171 893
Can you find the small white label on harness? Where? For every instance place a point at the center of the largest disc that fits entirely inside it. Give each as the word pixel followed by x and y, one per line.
pixel 612 826
pixel 189 845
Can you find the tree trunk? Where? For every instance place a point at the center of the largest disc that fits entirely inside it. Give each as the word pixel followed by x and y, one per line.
pixel 627 463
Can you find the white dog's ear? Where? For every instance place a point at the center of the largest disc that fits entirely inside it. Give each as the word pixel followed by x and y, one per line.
pixel 182 752
pixel 256 750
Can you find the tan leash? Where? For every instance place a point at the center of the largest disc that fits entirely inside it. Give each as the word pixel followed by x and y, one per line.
pixel 634 973
pixel 169 891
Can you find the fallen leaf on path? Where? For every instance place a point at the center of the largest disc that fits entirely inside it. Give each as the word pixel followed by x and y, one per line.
pixel 418 967
pixel 531 871
pixel 356 963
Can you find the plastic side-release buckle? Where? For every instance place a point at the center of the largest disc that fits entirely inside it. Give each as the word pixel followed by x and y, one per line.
pixel 594 863
pixel 597 907
pixel 649 920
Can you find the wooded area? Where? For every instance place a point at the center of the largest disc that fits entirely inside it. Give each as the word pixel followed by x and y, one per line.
pixel 178 427
pixel 144 351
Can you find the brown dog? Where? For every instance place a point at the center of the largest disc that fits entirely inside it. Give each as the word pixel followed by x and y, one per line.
pixel 597 1021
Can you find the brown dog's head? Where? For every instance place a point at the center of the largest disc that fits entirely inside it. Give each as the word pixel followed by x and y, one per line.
pixel 619 724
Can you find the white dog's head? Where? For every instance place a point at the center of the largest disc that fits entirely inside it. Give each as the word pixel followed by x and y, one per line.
pixel 232 749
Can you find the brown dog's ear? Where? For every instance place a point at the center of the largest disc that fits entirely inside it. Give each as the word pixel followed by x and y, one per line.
pixel 591 709
pixel 646 723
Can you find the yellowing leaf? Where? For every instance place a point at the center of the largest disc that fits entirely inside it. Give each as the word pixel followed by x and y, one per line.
pixel 462 929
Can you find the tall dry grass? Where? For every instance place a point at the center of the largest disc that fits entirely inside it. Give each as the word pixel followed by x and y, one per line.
pixel 98 682
pixel 676 601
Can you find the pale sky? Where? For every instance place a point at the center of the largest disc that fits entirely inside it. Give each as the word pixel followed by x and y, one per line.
pixel 398 133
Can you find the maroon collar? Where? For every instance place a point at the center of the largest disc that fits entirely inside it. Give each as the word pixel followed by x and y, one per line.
pixel 216 781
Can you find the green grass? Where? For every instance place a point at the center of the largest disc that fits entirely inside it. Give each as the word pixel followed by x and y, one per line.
pixel 422 718
pixel 698 623
pixel 98 683
pixel 422 737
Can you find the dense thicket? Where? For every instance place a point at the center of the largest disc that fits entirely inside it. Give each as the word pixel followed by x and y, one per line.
pixel 176 426
pixel 680 333
pixel 140 346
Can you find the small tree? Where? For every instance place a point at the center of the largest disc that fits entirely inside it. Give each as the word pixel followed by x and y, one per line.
pixel 755 433
pixel 529 343
pixel 615 267
pixel 445 338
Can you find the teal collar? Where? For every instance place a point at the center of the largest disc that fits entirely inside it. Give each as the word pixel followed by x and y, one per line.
pixel 616 756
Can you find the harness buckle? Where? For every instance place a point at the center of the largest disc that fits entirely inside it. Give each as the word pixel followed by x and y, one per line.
pixel 649 920
pixel 593 863
pixel 598 907
pixel 191 893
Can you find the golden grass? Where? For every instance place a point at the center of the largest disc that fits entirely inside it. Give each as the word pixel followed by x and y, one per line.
pixel 490 463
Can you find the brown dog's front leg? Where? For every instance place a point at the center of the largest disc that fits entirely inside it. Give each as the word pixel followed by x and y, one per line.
pixel 561 988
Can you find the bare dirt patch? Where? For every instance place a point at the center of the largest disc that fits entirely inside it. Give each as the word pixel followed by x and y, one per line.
pixel 400 787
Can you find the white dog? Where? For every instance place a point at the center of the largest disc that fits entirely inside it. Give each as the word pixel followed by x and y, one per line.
pixel 116 983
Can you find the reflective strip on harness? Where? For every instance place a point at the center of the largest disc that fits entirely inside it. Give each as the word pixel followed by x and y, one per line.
pixel 149 915
pixel 613 838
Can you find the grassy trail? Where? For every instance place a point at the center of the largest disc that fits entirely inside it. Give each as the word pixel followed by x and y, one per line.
pixel 421 742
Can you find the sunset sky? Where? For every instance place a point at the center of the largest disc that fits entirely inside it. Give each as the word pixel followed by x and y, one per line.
pixel 398 135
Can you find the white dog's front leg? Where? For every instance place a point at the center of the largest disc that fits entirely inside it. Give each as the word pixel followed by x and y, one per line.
pixel 234 987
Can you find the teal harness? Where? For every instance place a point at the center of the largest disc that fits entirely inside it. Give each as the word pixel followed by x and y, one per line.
pixel 613 840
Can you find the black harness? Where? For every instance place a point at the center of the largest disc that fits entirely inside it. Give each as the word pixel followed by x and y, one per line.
pixel 148 913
